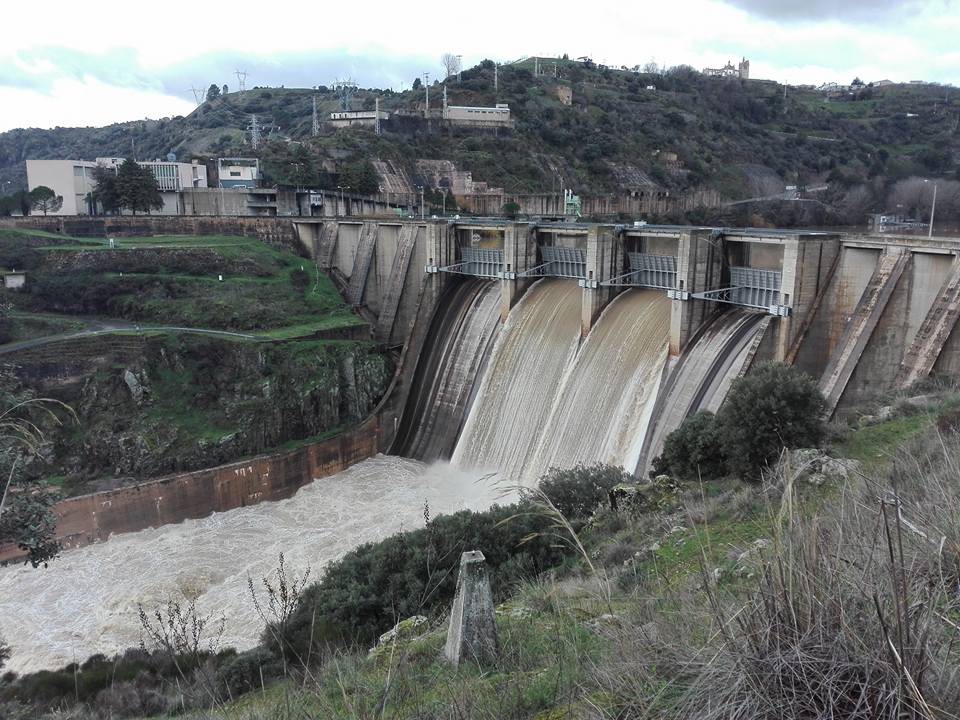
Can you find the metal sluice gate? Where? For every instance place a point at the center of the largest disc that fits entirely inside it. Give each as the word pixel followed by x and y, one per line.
pixel 559 262
pixel 750 287
pixel 652 271
pixel 478 262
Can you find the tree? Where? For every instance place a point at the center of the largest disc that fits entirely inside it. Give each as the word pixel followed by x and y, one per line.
pixel 107 192
pixel 417 84
pixel 511 210
pixel 362 177
pixel 693 451
pixel 213 92
pixel 772 408
pixel 451 64
pixel 137 187
pixel 45 200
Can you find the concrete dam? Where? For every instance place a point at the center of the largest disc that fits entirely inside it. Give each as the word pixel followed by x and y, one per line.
pixel 626 330
pixel 520 346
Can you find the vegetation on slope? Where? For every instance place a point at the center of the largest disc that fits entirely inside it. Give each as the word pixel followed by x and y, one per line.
pixel 99 329
pixel 741 138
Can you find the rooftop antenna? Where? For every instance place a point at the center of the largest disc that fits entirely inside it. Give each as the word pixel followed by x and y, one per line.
pixel 345 90
pixel 316 119
pixel 241 79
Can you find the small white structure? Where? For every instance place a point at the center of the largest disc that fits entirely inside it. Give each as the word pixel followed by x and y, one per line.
pixel 14 280
pixel 361 118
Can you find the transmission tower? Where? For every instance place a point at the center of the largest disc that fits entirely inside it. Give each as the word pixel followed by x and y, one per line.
pixel 241 79
pixel 345 90
pixel 254 129
pixel 316 118
pixel 426 90
pixel 197 95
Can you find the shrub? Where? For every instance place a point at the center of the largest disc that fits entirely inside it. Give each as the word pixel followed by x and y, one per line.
pixel 578 491
pixel 243 672
pixel 413 573
pixel 300 279
pixel 693 451
pixel 774 407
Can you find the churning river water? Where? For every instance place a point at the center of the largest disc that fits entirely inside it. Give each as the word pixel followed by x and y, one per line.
pixel 85 602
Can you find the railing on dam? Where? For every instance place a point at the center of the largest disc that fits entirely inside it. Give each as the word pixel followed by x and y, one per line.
pixel 479 262
pixel 653 271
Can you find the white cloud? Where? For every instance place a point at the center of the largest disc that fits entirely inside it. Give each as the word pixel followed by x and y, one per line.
pixel 84 102
pixel 156 59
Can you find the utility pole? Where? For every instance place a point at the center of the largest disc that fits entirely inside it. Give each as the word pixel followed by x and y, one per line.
pixel 536 66
pixel 316 118
pixel 426 89
pixel 423 209
pixel 241 79
pixel 459 66
pixel 933 208
pixel 376 121
pixel 254 129
pixel 496 67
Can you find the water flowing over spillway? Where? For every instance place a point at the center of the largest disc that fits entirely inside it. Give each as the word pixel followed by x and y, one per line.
pixel 85 602
pixel 701 376
pixel 543 402
pixel 523 377
pixel 608 393
pixel 460 338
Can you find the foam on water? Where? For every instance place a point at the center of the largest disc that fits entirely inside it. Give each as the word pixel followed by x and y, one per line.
pixel 85 602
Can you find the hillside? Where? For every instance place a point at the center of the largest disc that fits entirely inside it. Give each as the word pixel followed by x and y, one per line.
pixel 742 138
pixel 179 353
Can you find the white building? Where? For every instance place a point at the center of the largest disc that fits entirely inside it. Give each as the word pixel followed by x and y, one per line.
pixel 73 180
pixel 238 172
pixel 362 118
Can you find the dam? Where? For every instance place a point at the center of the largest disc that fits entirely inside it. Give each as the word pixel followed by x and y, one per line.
pixel 521 346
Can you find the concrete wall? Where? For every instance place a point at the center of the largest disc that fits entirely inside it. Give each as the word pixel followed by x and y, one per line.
pixel 912 298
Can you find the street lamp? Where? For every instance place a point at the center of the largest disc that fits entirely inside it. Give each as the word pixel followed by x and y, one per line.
pixel 933 208
pixel 422 208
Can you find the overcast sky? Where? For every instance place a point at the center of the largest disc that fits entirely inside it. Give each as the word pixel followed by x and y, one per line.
pixel 101 61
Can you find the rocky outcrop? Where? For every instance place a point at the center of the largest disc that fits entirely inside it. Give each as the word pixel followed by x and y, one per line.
pixel 187 402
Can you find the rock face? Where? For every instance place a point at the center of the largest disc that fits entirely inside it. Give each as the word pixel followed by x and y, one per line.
pixel 169 404
pixel 472 635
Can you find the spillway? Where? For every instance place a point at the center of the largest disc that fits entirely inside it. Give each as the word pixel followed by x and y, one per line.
pixel 701 376
pixel 458 343
pixel 523 377
pixel 85 602
pixel 608 393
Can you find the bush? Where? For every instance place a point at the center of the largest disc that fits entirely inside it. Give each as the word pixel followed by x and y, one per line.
pixel 693 451
pixel 243 672
pixel 774 407
pixel 300 279
pixel 578 491
pixel 413 573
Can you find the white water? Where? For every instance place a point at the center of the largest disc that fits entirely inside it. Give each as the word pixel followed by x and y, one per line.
pixel 85 602
pixel 545 402
pixel 523 377
pixel 702 375
pixel 608 393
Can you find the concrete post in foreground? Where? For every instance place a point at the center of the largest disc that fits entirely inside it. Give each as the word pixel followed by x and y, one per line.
pixel 472 635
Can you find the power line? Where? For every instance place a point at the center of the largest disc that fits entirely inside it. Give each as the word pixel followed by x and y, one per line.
pixel 197 95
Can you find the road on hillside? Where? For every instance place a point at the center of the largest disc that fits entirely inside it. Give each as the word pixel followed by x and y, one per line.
pixel 107 328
